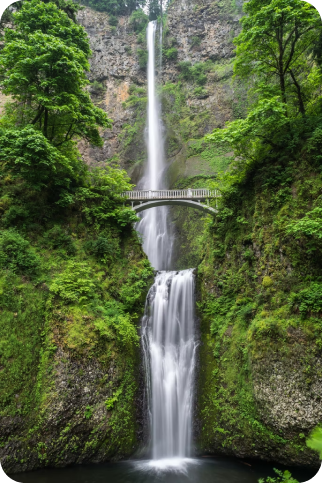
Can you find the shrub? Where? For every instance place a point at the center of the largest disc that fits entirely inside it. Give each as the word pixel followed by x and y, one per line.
pixel 267 328
pixel 97 87
pixel 139 21
pixel 58 238
pixel 310 225
pixel 308 300
pixel 75 283
pixel 171 54
pixel 143 58
pixel 15 215
pixel 126 332
pixel 100 247
pixel 185 69
pixel 282 477
pixel 200 92
pixel 116 324
pixel 141 38
pixel 114 399
pixel 104 249
pixel 194 73
pixel 88 413
pixel 315 440
pixel 195 41
pixel 16 254
pixel 113 20
pixel 28 155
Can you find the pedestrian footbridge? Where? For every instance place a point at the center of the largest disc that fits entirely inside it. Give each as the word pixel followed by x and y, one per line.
pixel 194 198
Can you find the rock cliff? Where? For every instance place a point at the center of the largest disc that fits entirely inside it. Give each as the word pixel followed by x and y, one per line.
pixel 199 32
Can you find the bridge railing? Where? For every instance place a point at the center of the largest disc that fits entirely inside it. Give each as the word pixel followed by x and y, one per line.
pixel 170 194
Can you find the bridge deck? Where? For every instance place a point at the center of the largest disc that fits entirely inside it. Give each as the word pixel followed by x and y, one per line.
pixel 189 194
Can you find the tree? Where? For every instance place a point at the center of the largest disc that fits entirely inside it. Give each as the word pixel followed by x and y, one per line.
pixel 274 52
pixel 43 68
pixel 26 154
pixel 68 6
pixel 275 45
pixel 154 9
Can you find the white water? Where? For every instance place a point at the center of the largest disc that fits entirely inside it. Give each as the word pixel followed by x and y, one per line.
pixel 154 225
pixel 169 354
pixel 168 324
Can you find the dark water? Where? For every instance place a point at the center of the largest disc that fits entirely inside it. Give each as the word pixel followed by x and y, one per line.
pixel 203 470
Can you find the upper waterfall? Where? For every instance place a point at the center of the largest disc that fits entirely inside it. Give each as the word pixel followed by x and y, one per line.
pixel 154 225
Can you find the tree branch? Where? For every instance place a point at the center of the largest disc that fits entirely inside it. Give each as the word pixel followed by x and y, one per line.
pixel 38 115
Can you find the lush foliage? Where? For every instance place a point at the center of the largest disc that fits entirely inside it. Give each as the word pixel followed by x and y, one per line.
pixel 42 68
pixel 274 49
pixel 310 225
pixel 26 154
pixel 194 73
pixel 171 54
pixel 139 21
pixel 315 441
pixel 68 6
pixel 260 270
pixel 73 276
pixel 16 254
pixel 75 284
pixel 282 477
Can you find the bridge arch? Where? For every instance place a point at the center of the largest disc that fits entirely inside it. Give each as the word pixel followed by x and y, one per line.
pixel 189 203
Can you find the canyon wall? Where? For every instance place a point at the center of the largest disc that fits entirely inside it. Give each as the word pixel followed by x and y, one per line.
pixel 200 32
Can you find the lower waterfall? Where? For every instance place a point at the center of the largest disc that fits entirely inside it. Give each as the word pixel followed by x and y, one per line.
pixel 169 346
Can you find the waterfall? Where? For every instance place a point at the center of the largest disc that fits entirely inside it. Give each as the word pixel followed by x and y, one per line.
pixel 169 354
pixel 168 324
pixel 154 225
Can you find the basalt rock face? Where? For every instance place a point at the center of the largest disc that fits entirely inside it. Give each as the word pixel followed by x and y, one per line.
pixel 288 392
pixel 74 425
pixel 199 33
pixel 114 65
pixel 212 22
pixel 264 407
pixel 67 428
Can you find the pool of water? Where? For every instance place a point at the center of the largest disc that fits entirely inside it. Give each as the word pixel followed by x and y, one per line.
pixel 203 470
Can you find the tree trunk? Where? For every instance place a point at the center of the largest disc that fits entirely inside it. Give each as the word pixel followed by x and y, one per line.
pixel 279 35
pixel 46 123
pixel 299 93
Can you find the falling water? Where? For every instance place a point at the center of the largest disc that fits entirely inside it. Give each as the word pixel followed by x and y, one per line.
pixel 168 324
pixel 169 354
pixel 154 225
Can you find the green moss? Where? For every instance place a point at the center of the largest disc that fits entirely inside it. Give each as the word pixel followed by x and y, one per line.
pixel 88 309
pixel 259 296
